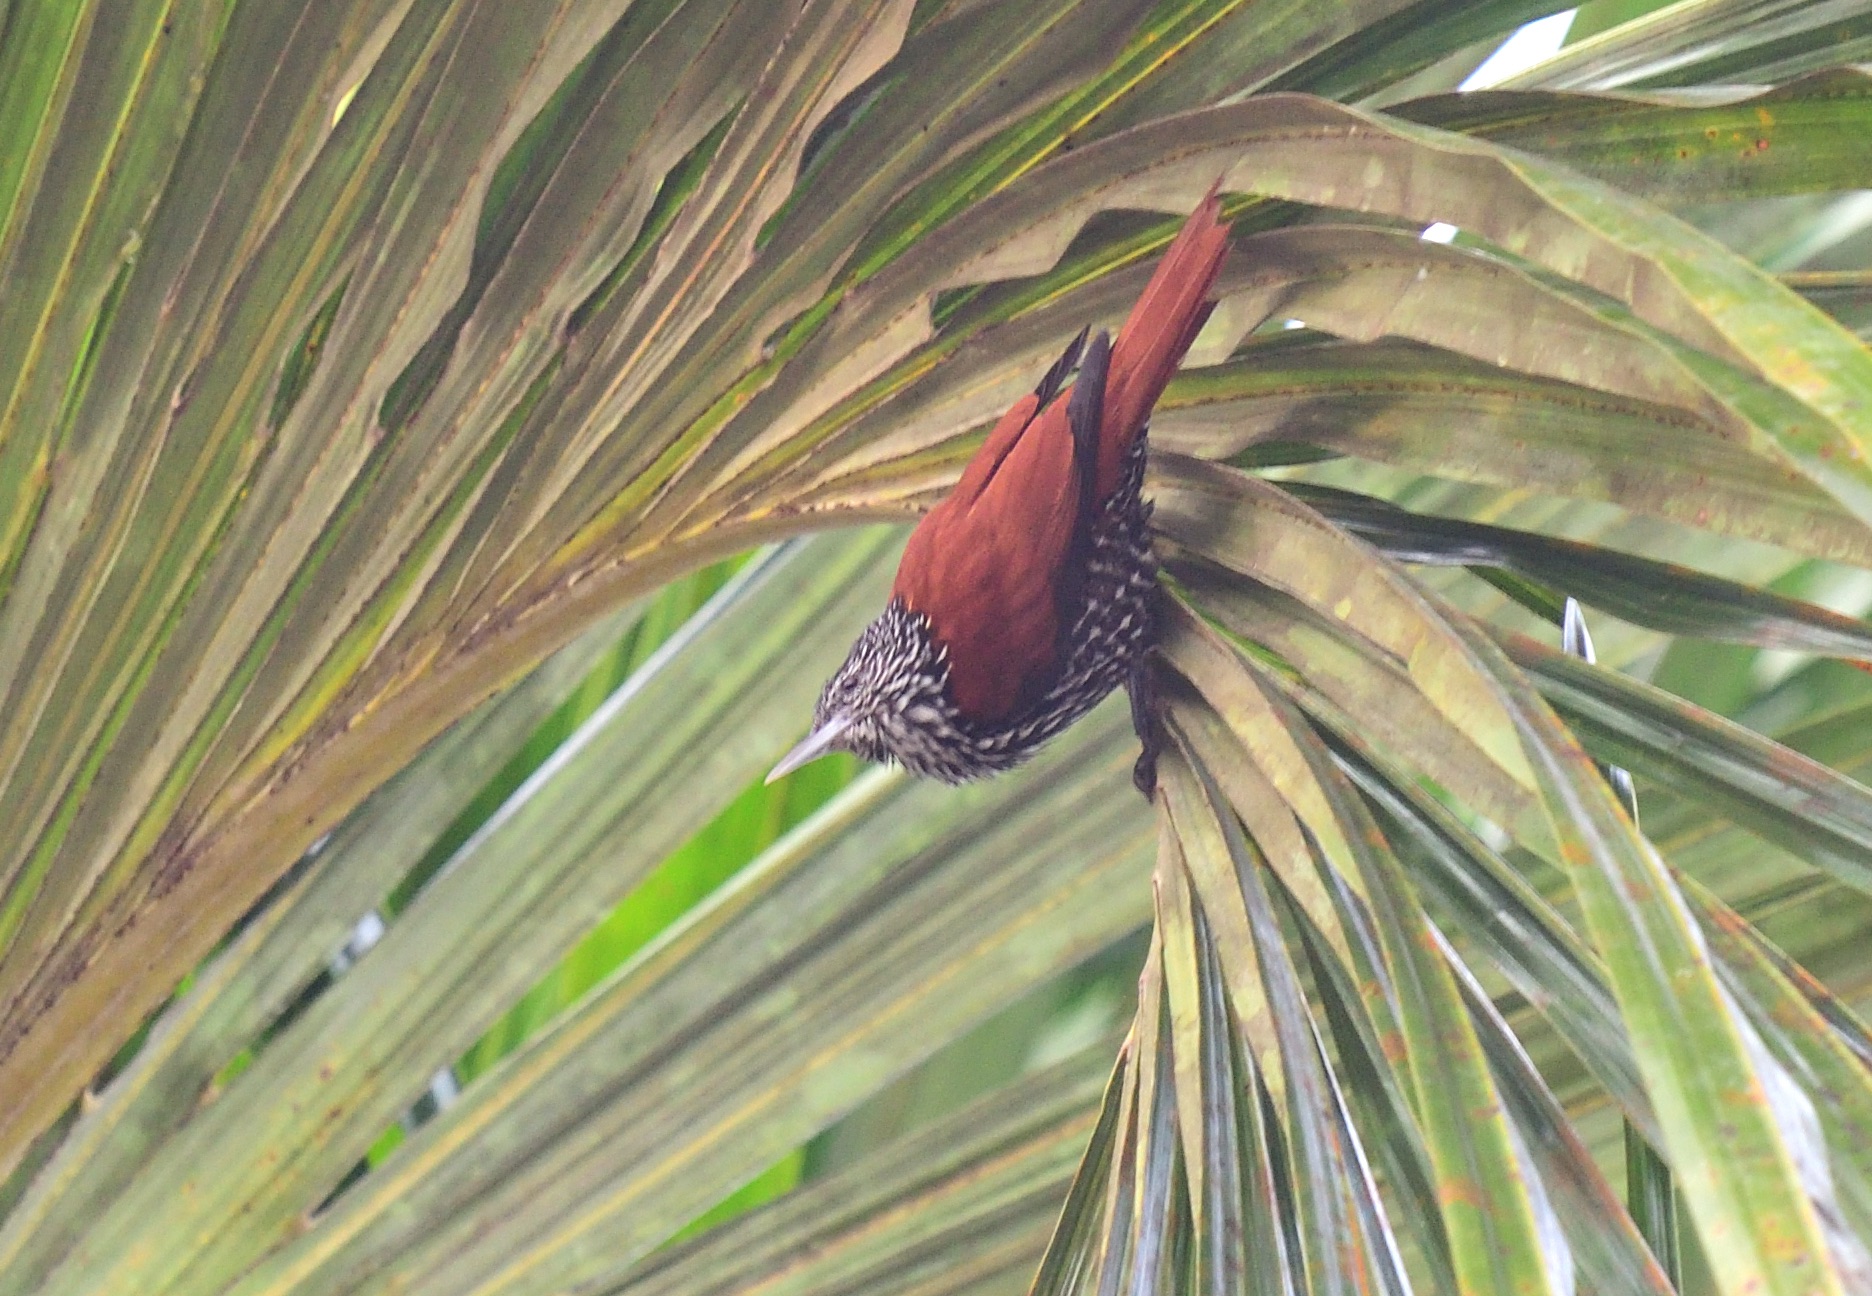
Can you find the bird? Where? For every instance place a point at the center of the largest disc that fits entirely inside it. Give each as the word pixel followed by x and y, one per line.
pixel 1027 595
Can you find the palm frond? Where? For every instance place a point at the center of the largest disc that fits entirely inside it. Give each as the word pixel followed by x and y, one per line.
pixel 364 366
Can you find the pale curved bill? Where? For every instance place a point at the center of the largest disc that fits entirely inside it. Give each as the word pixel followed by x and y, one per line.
pixel 811 748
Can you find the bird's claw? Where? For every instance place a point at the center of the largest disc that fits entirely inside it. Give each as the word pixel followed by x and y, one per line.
pixel 1141 688
pixel 1144 773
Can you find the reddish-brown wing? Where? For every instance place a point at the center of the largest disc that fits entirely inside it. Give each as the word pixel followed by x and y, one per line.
pixel 986 564
pixel 1158 331
pixel 983 565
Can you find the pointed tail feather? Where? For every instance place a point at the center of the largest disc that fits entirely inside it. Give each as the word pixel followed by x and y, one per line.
pixel 1159 331
pixel 1085 415
pixel 1055 378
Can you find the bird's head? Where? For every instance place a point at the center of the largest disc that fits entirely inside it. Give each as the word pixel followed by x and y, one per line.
pixel 889 700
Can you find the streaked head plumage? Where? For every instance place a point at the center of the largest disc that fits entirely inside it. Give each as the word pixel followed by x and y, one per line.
pixel 887 697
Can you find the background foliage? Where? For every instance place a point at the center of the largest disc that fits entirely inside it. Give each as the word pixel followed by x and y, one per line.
pixel 411 412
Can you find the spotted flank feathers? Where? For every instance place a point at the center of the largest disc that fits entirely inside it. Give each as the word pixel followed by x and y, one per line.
pixel 896 679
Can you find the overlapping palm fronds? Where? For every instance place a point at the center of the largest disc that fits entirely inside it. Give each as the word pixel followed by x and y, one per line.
pixel 364 367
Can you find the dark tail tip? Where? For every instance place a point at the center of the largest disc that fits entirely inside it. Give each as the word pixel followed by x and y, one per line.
pixel 1085 408
pixel 1055 377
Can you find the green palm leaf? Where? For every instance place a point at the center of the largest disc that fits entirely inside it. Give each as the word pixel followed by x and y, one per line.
pixel 387 897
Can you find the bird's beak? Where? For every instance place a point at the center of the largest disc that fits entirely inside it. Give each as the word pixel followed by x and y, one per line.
pixel 812 747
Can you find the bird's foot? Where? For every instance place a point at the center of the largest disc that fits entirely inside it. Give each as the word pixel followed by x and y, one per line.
pixel 1141 688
